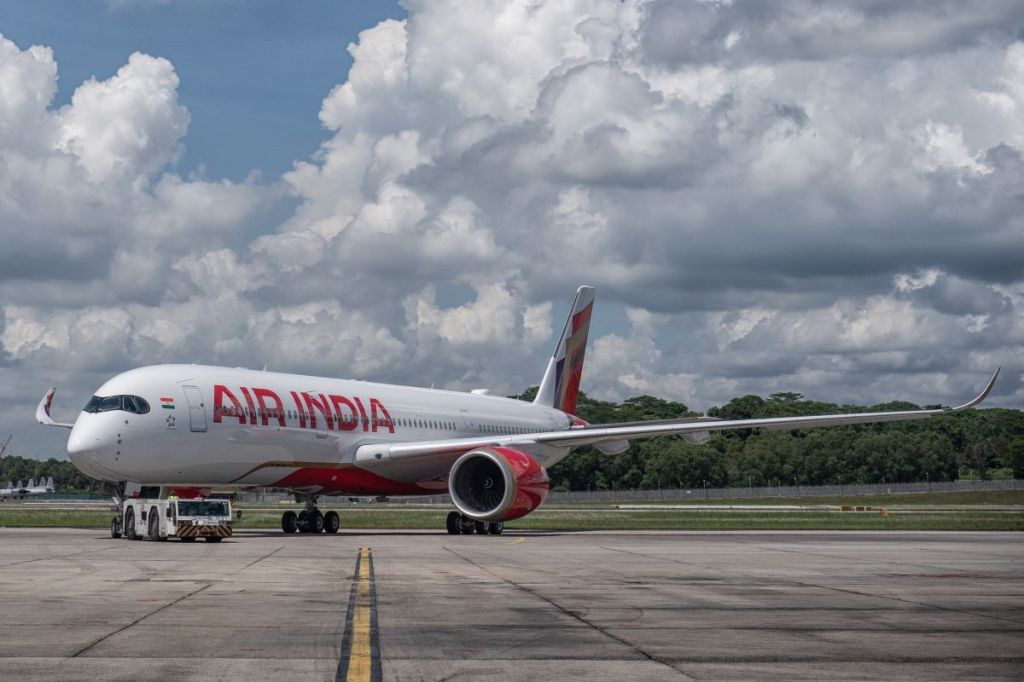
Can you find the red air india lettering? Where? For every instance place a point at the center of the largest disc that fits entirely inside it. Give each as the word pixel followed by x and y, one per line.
pixel 321 406
pixel 337 411
pixel 348 418
pixel 219 393
pixel 277 410
pixel 379 415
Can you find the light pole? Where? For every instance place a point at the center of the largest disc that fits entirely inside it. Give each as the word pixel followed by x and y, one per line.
pixel 705 491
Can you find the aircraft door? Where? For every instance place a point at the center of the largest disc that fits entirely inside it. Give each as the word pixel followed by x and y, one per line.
pixel 196 409
pixel 467 421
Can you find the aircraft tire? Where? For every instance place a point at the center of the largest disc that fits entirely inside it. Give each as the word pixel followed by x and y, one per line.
pixel 115 527
pixel 495 527
pixel 480 527
pixel 453 523
pixel 315 521
pixel 467 525
pixel 289 522
pixel 332 522
pixel 129 526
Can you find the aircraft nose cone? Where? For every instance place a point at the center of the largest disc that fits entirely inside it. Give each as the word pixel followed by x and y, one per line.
pixel 87 448
pixel 82 443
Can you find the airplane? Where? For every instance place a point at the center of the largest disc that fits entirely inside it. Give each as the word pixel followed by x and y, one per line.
pixel 191 428
pixel 33 488
pixel 22 490
pixel 42 487
pixel 3 448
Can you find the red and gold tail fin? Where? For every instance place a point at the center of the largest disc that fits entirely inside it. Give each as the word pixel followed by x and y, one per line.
pixel 561 381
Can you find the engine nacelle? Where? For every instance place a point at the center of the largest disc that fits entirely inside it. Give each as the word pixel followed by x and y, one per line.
pixel 497 484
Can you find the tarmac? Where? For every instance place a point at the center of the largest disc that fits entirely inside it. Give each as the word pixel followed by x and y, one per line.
pixel 75 604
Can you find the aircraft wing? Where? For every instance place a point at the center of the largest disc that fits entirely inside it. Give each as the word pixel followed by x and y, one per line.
pixel 597 434
pixel 43 411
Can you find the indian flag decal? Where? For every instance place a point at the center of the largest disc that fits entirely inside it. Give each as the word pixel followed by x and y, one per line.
pixel 167 403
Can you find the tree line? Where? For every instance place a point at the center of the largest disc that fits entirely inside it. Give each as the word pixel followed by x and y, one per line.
pixel 982 443
pixel 66 478
pixel 985 443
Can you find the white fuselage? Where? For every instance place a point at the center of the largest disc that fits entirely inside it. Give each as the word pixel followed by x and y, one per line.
pixel 217 426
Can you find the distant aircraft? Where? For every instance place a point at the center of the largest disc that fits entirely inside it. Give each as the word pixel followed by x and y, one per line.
pixel 6 443
pixel 21 491
pixel 323 436
pixel 44 486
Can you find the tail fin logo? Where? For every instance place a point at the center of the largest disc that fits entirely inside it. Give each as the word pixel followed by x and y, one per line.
pixel 571 367
pixel 561 382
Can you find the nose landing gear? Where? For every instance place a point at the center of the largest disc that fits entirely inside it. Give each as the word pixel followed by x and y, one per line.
pixel 310 520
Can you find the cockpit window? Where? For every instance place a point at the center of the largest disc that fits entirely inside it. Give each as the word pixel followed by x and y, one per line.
pixel 108 404
pixel 127 403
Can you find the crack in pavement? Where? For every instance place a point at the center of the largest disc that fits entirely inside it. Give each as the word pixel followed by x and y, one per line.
pixel 572 615
pixel 139 620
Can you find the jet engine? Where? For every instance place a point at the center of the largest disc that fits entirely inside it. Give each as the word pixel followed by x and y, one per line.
pixel 497 484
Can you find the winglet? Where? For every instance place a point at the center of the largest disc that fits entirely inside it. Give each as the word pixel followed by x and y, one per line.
pixel 43 411
pixel 981 396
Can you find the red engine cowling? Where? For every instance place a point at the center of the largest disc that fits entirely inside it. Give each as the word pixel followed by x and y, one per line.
pixel 497 484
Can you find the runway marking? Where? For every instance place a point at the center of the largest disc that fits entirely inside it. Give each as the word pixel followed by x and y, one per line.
pixel 517 541
pixel 360 646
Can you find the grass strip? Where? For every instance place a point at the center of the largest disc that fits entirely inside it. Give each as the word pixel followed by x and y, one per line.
pixel 600 519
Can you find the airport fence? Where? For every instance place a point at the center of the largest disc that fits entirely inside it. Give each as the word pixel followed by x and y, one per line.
pixel 702 493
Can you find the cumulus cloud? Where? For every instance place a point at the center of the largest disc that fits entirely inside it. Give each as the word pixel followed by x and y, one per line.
pixel 816 196
pixel 128 125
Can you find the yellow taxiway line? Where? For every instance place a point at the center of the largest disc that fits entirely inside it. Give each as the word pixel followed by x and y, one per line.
pixel 360 655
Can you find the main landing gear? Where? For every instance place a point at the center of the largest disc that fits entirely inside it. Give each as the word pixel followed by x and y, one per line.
pixel 310 519
pixel 458 524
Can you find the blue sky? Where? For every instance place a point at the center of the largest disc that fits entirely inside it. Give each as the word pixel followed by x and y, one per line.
pixel 253 72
